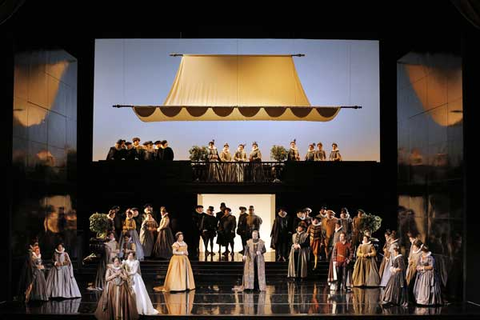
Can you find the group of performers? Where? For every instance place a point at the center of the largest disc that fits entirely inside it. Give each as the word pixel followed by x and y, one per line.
pixel 60 282
pixel 148 151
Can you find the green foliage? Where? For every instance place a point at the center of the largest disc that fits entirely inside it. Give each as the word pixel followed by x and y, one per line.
pixel 99 224
pixel 198 153
pixel 370 222
pixel 279 153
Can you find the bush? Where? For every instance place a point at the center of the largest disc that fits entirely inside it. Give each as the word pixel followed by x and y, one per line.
pixel 99 224
pixel 198 153
pixel 279 153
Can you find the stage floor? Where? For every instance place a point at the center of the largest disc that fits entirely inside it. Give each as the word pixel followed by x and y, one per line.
pixel 283 298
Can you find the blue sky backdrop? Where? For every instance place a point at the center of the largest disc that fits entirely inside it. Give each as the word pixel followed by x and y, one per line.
pixel 333 72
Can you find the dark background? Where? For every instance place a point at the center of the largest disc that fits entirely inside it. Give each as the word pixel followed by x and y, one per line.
pixel 400 26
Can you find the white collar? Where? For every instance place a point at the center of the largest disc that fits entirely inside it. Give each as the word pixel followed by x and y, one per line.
pixel 35 255
pixel 369 242
pixel 338 228
pixel 428 254
pixel 284 215
pixel 316 225
pixel 60 251
pixel 394 241
pixel 116 268
pixel 399 255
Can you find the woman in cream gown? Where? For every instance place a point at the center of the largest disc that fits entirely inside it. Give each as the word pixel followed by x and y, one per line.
pixel 179 275
pixel 144 304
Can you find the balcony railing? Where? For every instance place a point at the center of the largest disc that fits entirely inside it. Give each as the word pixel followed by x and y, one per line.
pixel 238 172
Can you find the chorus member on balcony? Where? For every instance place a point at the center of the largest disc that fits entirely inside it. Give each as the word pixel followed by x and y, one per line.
pixel 143 302
pixel 347 223
pixel 130 227
pixel 396 291
pixel 320 153
pixel 298 258
pixel 149 151
pixel 427 290
pixel 163 246
pixel 281 234
pixel 111 250
pixel 168 154
pixel 242 226
pixel 329 223
pixel 253 222
pixel 117 300
pixel 387 261
pixel 226 231
pixel 335 153
pixel 129 151
pixel 342 255
pixel 37 287
pixel 61 282
pixel 293 154
pixel 254 266
pixel 310 156
pixel 316 237
pixel 139 151
pixel 179 274
pixel 356 232
pixel 240 157
pixel 213 159
pixel 117 152
pixel 148 232
pixel 228 171
pixel 208 227
pixel 256 163
pixel 365 271
pixel 158 151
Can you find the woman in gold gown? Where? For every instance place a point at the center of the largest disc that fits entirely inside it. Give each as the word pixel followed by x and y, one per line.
pixel 365 271
pixel 179 274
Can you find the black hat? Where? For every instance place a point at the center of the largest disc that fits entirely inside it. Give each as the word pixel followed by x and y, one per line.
pixel 251 208
pixel 228 209
pixel 157 142
pixel 120 141
pixel 136 139
pixel 115 208
pixel 198 206
pixel 147 205
pixel 128 143
pixel 164 141
pixel 222 205
pixel 210 208
pixel 242 208
pixel 134 209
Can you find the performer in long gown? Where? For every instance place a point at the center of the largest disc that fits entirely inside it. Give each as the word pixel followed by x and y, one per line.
pixel 365 271
pixel 143 302
pixel 298 258
pixel 228 171
pixel 213 166
pixel 208 227
pixel 280 235
pixel 111 250
pixel 385 274
pixel 254 264
pixel 37 291
pixel 335 153
pixel 163 244
pixel 293 154
pixel 130 227
pixel 179 274
pixel 342 255
pixel 61 282
pixel 320 153
pixel 240 157
pixel 396 289
pixel 316 237
pixel 117 300
pixel 427 290
pixel 413 257
pixel 148 233
pixel 256 164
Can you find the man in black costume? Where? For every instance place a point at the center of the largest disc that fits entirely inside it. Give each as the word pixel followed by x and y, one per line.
pixel 194 232
pixel 208 229
pixel 167 151
pixel 242 227
pixel 117 152
pixel 226 231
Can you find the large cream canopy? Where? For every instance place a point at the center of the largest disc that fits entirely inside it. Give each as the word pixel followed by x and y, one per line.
pixel 236 87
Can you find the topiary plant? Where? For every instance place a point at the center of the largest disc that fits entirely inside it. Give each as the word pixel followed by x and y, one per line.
pixel 279 153
pixel 99 224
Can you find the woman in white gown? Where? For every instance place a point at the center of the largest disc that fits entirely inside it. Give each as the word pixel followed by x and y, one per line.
pixel 144 304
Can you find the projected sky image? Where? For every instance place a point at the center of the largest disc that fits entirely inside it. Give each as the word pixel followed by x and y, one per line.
pixel 332 72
